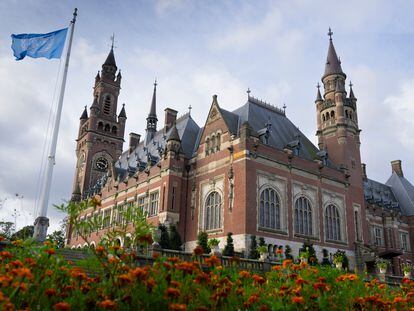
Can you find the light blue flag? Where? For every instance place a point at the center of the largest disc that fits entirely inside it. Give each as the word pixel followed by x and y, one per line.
pixel 49 45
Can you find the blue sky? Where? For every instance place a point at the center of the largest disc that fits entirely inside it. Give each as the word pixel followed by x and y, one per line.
pixel 197 49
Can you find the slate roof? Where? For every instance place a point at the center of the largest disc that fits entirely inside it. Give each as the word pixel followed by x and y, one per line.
pixel 380 194
pixel 404 191
pixel 333 64
pixel 187 130
pixel 282 131
pixel 110 60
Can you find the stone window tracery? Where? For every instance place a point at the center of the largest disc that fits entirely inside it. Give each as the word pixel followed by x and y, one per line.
pixel 213 211
pixel 269 209
pixel 303 216
pixel 332 223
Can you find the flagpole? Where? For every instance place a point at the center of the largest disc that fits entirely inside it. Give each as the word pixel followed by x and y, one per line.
pixel 42 222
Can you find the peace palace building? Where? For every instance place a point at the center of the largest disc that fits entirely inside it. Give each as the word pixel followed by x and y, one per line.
pixel 249 171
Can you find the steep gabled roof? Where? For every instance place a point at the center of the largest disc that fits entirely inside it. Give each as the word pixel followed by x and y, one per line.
pixel 380 194
pixel 404 192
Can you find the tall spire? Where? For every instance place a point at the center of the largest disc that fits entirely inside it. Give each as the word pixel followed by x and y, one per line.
pixel 153 110
pixel 84 115
pixel 152 117
pixel 333 64
pixel 110 60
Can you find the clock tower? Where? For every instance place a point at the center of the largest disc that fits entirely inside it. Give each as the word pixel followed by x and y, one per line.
pixel 101 133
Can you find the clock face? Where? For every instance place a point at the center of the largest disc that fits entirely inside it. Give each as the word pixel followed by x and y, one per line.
pixel 102 164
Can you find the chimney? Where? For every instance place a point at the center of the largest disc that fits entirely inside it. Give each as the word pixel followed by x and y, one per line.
pixel 396 167
pixel 364 171
pixel 133 141
pixel 170 117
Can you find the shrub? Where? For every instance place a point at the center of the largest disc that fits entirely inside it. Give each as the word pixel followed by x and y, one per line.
pixel 229 248
pixel 308 251
pixel 164 237
pixel 253 253
pixel 288 252
pixel 213 242
pixel 202 240
pixel 262 241
pixel 325 257
pixel 345 260
pixel 175 238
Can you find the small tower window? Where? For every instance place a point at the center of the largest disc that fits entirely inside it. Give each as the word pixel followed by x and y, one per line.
pixel 100 126
pixel 114 129
pixel 346 113
pixel 327 116
pixel 107 128
pixel 107 104
pixel 213 143
pixel 323 118
pixel 218 142
pixel 332 114
pixel 207 146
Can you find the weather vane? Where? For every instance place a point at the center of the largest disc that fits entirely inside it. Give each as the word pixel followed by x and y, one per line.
pixel 113 41
pixel 330 33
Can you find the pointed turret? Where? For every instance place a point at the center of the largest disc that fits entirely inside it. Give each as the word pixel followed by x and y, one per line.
pixel 122 113
pixel 152 117
pixel 97 78
pixel 84 115
pixel 351 92
pixel 318 94
pixel 110 60
pixel 333 63
pixel 174 134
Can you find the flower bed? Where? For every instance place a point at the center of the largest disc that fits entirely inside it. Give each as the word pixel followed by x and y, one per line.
pixel 33 277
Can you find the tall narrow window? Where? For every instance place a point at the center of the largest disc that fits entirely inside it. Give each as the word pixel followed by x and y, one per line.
pixel 378 236
pixel 213 211
pixel 357 227
pixel 269 209
pixel 303 216
pixel 173 197
pixel 332 223
pixel 153 208
pixel 218 142
pixel 405 245
pixel 107 105
pixel 142 203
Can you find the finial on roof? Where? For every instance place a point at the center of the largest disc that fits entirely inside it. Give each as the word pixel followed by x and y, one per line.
pixel 284 108
pixel 330 33
pixel 155 83
pixel 84 115
pixel 189 110
pixel 248 92
pixel 215 98
pixel 122 113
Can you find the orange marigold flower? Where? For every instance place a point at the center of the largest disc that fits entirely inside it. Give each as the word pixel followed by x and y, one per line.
pixel 277 268
pixel 172 292
pixel 258 279
pixel 125 278
pixel 244 274
pixel 173 259
pixel 8 307
pixel 139 273
pixel 213 260
pixel 50 292
pixel 198 251
pixel 298 300
pixel 177 307
pixel 24 272
pixel 400 299
pixel 78 273
pixel 279 251
pixel 264 308
pixel 62 306
pixel 300 281
pixel 107 304
pixel 287 263
pixel 175 284
pixel 146 238
pixel 50 251
pixel 6 255
pixel 16 263
pixel 150 283
pixel 30 261
pixel 251 300
pixel 100 249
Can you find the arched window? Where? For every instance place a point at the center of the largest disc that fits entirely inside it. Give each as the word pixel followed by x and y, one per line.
pixel 107 128
pixel 213 211
pixel 332 223
pixel 213 143
pixel 323 118
pixel 114 129
pixel 218 142
pixel 269 209
pixel 327 116
pixel 346 113
pixel 332 114
pixel 100 126
pixel 303 216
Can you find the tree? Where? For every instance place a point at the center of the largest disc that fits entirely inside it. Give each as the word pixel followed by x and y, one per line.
pixel 202 240
pixel 253 254
pixel 164 238
pixel 57 238
pixel 229 248
pixel 325 258
pixel 175 239
pixel 6 229
pixel 24 233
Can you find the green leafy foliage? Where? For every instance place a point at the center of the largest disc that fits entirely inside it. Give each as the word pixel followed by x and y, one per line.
pixel 175 238
pixel 164 237
pixel 253 253
pixel 24 233
pixel 229 248
pixel 202 240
